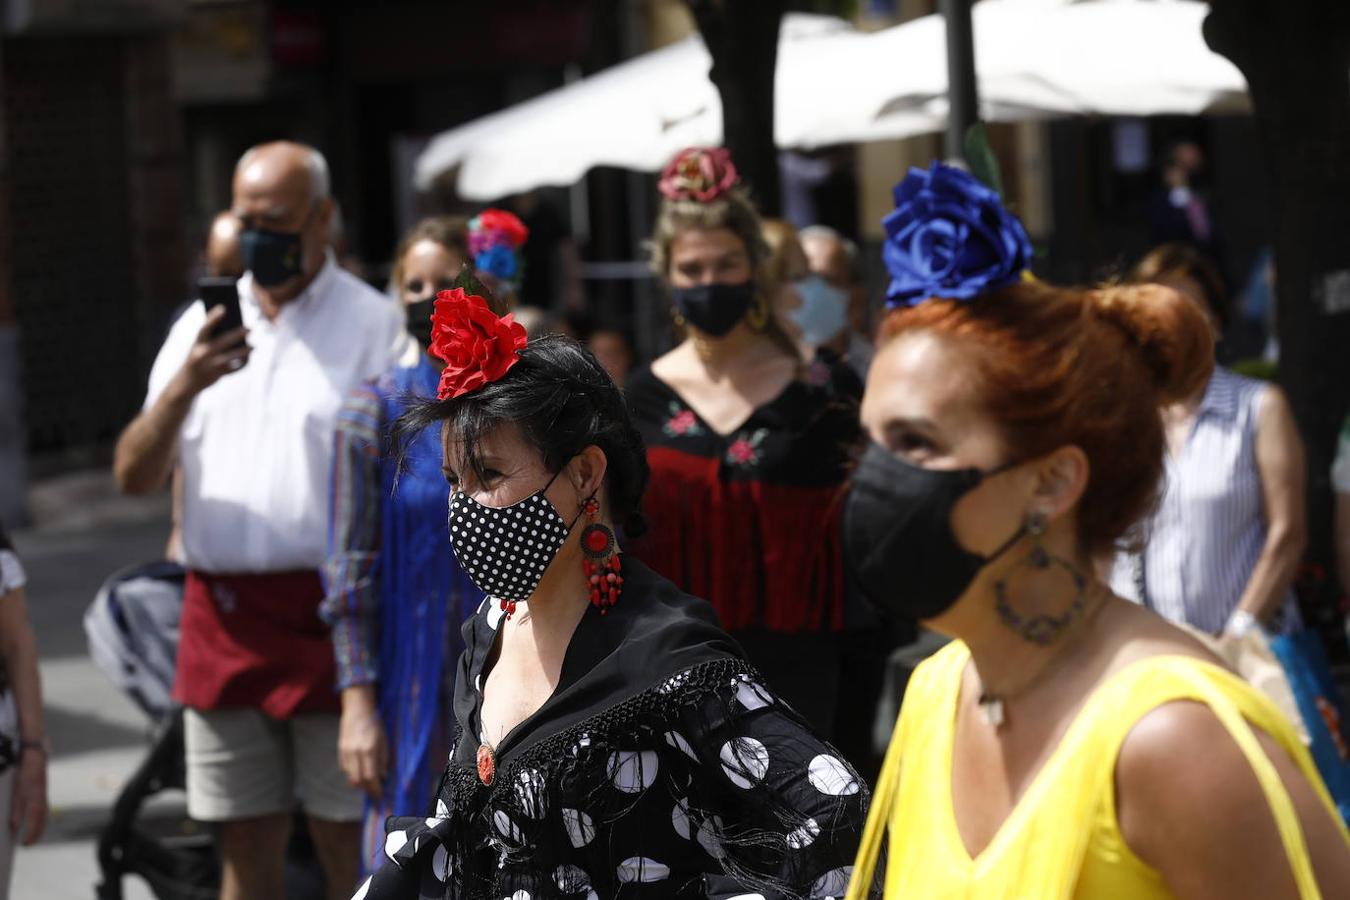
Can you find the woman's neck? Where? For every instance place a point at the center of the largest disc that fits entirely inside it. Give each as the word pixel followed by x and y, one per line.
pixel 1007 662
pixel 560 600
pixel 740 348
pixel 1184 410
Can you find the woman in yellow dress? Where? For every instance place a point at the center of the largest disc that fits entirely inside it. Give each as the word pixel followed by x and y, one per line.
pixel 1066 743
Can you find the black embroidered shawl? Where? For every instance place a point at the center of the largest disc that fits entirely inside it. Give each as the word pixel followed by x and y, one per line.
pixel 661 766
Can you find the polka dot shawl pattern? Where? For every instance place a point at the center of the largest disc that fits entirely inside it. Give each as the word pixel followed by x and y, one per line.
pixel 711 783
pixel 663 765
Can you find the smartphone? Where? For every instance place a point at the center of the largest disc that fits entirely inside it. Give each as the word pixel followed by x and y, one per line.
pixel 216 291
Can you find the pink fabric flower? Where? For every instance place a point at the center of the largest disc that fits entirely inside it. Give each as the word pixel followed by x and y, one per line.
pixel 741 451
pixel 682 423
pixel 496 228
pixel 698 173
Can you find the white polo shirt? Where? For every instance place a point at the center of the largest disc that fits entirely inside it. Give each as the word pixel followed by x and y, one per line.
pixel 256 449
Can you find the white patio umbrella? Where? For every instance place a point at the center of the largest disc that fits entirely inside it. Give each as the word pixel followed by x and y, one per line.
pixel 1049 58
pixel 635 115
pixel 1034 58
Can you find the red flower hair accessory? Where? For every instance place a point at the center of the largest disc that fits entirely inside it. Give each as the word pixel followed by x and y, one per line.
pixel 496 228
pixel 476 346
pixel 699 173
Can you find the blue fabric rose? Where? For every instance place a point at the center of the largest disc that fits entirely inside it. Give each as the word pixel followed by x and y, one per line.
pixel 949 236
pixel 499 261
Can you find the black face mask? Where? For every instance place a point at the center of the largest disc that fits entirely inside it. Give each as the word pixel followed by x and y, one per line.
pixel 419 320
pixel 714 309
pixel 898 538
pixel 274 257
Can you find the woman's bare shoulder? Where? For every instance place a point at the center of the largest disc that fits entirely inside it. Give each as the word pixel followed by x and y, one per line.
pixel 1139 633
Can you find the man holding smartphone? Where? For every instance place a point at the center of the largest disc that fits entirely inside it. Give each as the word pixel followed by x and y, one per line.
pixel 249 412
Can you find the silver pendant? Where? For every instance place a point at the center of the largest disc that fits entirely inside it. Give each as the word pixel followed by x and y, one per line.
pixel 992 707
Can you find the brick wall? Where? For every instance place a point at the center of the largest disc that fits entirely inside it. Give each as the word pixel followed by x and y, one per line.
pixel 95 254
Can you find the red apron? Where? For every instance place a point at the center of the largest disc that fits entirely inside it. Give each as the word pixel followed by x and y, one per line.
pixel 255 642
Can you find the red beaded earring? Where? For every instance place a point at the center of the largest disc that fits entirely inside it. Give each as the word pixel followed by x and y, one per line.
pixel 601 564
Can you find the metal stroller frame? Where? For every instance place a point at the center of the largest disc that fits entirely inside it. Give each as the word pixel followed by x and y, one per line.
pixel 184 868
pixel 133 637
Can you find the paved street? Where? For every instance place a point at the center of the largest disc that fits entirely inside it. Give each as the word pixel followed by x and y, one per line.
pixel 82 533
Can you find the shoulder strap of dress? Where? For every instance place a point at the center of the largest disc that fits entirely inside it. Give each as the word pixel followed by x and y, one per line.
pixel 927 681
pixel 1144 686
pixel 1116 708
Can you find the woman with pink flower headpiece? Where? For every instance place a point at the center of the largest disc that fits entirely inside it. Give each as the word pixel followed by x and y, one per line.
pixel 747 451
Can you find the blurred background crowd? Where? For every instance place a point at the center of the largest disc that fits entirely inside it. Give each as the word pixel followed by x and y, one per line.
pixel 1136 139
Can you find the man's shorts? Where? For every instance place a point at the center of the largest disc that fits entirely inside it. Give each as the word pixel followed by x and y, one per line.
pixel 241 764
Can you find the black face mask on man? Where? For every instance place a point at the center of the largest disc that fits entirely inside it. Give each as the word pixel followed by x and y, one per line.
pixel 714 309
pixel 898 538
pixel 274 257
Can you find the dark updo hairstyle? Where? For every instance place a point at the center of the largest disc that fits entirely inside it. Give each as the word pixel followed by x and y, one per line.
pixel 562 401
pixel 1177 260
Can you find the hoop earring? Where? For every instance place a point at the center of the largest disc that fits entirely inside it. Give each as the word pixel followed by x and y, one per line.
pixel 677 318
pixel 600 563
pixel 758 315
pixel 1041 629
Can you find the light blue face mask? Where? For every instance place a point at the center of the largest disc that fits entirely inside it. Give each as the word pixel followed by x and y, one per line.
pixel 824 310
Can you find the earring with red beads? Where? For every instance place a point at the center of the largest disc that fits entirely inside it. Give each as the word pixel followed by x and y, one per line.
pixel 600 563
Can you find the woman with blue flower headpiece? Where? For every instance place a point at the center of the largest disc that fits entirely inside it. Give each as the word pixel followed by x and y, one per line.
pixel 1067 743
pixel 394 597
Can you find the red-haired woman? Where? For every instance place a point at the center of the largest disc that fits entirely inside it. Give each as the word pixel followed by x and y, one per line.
pixel 1067 743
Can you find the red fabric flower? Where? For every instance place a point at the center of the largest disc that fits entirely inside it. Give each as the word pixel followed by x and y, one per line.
pixel 698 173
pixel 476 346
pixel 503 223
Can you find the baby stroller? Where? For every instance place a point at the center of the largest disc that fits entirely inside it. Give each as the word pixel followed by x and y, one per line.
pixel 132 628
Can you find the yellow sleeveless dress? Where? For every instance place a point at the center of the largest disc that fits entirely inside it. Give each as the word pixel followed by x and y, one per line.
pixel 1061 840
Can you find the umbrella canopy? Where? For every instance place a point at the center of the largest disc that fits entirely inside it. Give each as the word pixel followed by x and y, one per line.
pixel 834 84
pixel 636 115
pixel 1047 58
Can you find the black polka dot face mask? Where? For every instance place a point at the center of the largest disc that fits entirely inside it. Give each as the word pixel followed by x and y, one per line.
pixel 505 549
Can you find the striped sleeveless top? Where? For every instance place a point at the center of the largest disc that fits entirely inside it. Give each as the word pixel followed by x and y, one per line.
pixel 1209 529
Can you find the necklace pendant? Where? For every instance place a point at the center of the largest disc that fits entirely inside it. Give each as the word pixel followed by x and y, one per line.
pixel 487 765
pixel 992 707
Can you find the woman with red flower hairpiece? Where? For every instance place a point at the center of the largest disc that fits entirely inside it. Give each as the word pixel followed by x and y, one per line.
pixel 393 598
pixel 612 740
pixel 748 451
